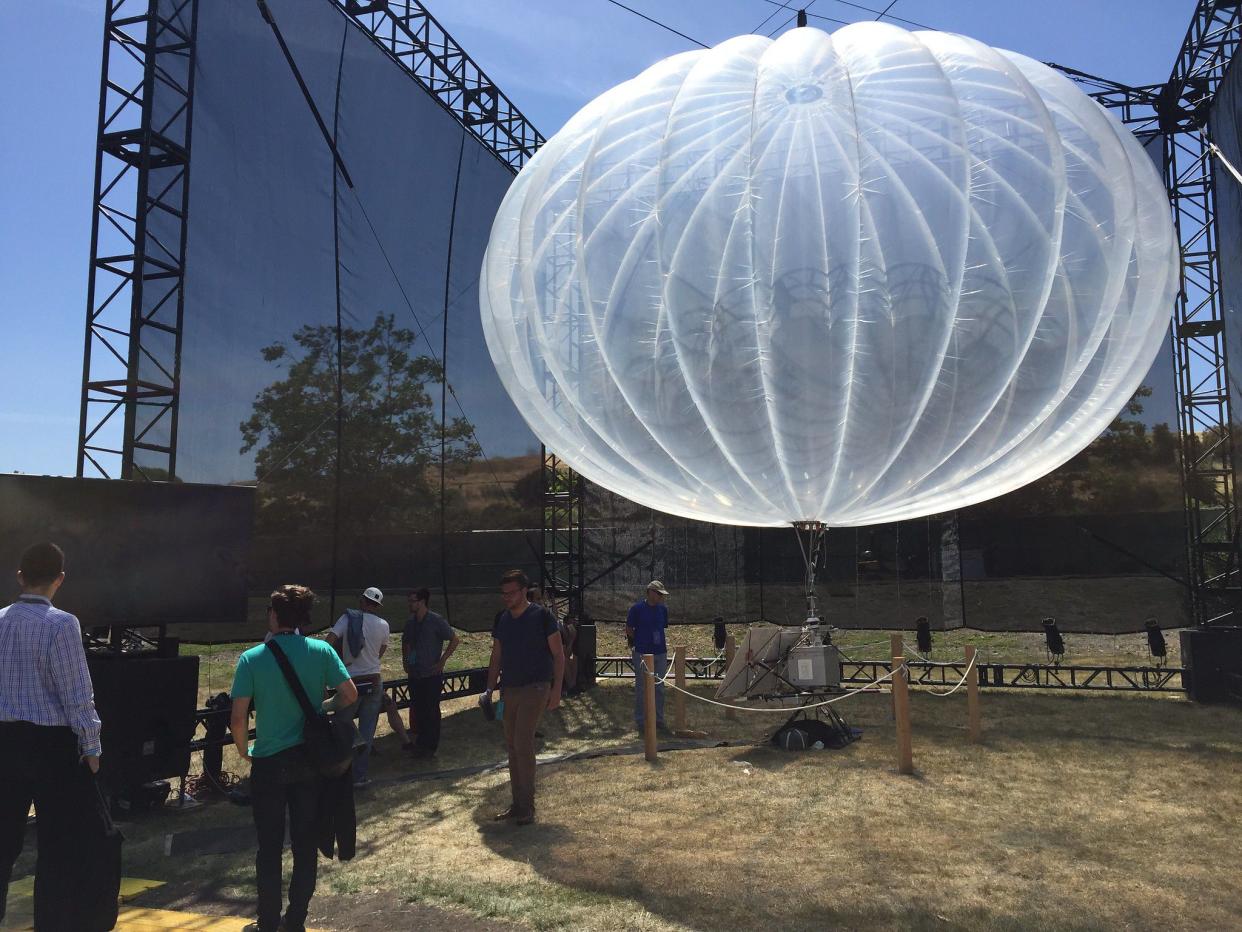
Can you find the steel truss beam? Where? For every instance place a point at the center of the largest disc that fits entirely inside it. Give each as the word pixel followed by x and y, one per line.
pixel 455 685
pixel 132 359
pixel 948 675
pixel 413 38
pixel 1094 678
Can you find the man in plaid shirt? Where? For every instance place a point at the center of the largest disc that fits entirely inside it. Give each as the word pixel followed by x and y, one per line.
pixel 49 742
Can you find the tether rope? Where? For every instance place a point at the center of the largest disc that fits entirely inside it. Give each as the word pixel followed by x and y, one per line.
pixel 869 687
pixel 970 666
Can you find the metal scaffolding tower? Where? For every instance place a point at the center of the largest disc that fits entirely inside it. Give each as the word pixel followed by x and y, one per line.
pixel 131 362
pixel 1171 121
pixel 416 41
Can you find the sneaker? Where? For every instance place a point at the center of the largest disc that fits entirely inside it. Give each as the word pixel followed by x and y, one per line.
pixel 662 729
pixel 524 819
pixel 509 813
pixel 362 784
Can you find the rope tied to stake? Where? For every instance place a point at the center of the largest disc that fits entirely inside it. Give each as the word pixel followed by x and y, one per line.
pixel 869 687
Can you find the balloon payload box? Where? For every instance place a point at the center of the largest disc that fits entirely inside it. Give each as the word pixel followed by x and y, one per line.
pixel 813 666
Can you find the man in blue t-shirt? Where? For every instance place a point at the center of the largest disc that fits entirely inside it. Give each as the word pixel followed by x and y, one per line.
pixel 281 777
pixel 645 625
pixel 529 662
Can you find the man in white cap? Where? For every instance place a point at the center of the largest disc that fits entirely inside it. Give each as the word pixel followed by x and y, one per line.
pixel 645 624
pixel 361 636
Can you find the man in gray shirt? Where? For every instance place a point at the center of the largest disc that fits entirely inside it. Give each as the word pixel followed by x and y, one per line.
pixel 423 654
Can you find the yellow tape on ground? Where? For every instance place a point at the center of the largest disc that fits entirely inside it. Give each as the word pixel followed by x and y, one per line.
pixel 130 887
pixel 20 911
pixel 139 919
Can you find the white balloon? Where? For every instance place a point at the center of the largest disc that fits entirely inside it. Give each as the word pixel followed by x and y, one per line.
pixel 851 278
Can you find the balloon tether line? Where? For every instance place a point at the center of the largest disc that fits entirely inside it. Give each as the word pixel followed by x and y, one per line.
pixel 815 532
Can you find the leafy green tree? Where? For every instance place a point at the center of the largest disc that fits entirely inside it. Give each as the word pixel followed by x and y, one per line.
pixel 1128 468
pixel 389 446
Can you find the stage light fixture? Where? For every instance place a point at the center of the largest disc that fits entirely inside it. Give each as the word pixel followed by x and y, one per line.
pixel 1155 641
pixel 1056 643
pixel 922 630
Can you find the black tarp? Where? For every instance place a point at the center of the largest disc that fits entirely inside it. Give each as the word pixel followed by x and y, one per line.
pixel 332 351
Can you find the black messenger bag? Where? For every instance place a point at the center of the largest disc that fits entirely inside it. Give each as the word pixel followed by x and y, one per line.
pixel 328 739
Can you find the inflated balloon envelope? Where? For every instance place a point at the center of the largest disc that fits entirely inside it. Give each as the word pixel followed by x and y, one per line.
pixel 840 279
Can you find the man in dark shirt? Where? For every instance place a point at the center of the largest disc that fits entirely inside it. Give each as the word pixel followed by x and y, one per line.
pixel 423 655
pixel 645 624
pixel 528 661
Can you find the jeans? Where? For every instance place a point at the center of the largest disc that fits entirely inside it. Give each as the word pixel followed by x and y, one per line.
pixel 367 711
pixel 425 700
pixel 41 765
pixel 640 704
pixel 524 706
pixel 284 781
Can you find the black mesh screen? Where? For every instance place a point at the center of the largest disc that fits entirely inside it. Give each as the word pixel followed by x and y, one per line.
pixel 333 356
pixel 332 347
pixel 1099 544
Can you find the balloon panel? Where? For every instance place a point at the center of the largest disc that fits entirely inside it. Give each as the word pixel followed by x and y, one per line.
pixel 852 278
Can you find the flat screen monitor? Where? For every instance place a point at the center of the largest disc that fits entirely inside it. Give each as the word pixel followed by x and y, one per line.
pixel 137 554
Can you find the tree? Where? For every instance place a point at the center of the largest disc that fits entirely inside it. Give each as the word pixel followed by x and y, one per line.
pixel 1128 468
pixel 389 445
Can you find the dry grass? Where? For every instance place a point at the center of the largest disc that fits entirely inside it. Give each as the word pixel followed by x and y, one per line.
pixel 1078 812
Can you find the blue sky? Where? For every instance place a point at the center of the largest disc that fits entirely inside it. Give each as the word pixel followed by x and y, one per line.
pixel 549 56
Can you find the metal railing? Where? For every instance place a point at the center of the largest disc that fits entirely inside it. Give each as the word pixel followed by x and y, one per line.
pixel 1092 678
pixel 1096 677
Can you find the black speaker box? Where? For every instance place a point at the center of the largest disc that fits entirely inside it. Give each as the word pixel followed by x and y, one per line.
pixel 1212 661
pixel 147 707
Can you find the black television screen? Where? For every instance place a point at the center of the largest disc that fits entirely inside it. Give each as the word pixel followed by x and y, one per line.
pixel 137 554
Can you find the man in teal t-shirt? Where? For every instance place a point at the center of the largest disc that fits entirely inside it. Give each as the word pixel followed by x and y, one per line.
pixel 278 716
pixel 280 776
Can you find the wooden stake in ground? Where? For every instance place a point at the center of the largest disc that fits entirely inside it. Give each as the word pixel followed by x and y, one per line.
pixel 679 697
pixel 730 650
pixel 901 708
pixel 649 716
pixel 972 696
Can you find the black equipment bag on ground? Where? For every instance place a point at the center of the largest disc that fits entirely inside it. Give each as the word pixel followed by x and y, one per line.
pixel 101 883
pixel 328 739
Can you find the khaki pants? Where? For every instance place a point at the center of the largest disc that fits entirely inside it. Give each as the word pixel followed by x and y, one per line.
pixel 524 706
